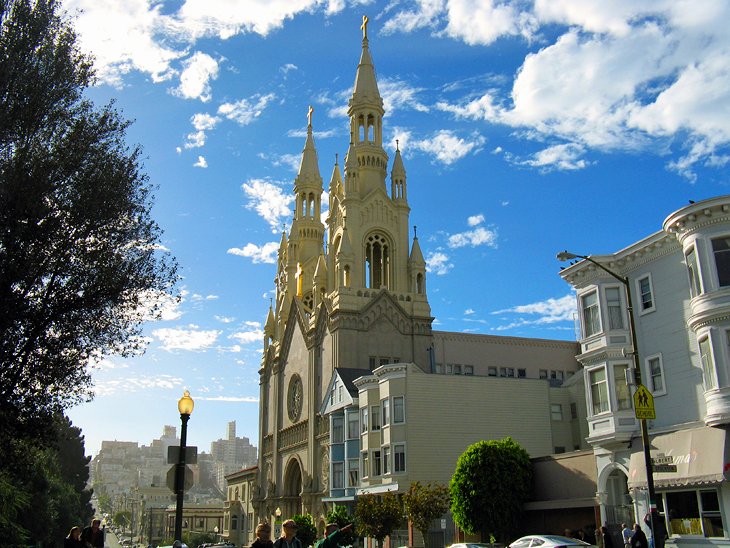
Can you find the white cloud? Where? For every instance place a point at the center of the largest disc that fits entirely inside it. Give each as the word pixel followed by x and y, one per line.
pixel 424 15
pixel 195 78
pixel 548 312
pixel 438 263
pixel 475 220
pixel 446 147
pixel 246 111
pixel 192 339
pixel 398 94
pixel 473 238
pixel 565 157
pixel 137 384
pixel 484 21
pixel 201 122
pixel 469 312
pixel 253 335
pixel 269 201
pixel 288 67
pixel 201 162
pixel 263 254
pixel 160 305
pixel 197 297
pixel 230 399
pixel 224 319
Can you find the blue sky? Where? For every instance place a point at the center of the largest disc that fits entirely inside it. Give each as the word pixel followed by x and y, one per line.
pixel 526 128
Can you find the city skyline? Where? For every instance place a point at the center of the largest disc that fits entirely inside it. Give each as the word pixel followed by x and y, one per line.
pixel 526 128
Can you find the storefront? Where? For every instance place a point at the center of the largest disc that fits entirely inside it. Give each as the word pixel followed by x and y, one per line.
pixel 690 482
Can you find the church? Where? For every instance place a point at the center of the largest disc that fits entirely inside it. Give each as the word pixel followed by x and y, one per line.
pixel 351 330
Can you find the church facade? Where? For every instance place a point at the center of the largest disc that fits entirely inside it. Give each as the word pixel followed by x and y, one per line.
pixel 351 296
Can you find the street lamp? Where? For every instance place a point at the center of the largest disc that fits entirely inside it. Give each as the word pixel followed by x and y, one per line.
pixel 185 406
pixel 567 256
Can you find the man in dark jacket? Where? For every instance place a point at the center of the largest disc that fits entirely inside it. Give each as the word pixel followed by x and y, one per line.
pixel 93 536
pixel 638 539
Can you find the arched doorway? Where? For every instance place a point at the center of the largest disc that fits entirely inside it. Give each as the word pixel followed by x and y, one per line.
pixel 292 496
pixel 618 505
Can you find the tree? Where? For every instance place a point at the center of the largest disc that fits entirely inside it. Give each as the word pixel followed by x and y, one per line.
pixel 377 516
pixel 342 517
pixel 492 481
pixel 79 252
pixel 306 531
pixel 425 503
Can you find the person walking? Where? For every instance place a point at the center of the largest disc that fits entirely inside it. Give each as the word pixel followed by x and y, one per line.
pixel 332 535
pixel 73 540
pixel 626 534
pixel 93 536
pixel 638 539
pixel 606 537
pixel 288 538
pixel 263 536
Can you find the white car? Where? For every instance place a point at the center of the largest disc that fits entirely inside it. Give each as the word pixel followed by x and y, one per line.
pixel 547 541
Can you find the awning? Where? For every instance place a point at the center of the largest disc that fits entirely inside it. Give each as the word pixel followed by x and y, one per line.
pixel 700 456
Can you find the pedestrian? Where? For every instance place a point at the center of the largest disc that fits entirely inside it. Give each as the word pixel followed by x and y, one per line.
pixel 73 540
pixel 93 536
pixel 288 537
pixel 332 535
pixel 606 537
pixel 263 536
pixel 626 535
pixel 638 539
pixel 659 536
pixel 598 534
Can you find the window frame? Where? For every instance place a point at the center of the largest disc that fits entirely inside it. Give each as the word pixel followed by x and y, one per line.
pixel 714 258
pixel 628 401
pixel 375 418
pixel 621 306
pixel 385 412
pixel 650 376
pixel 693 271
pixel 591 403
pixel 352 434
pixel 402 407
pixel 640 294
pixel 364 425
pixel 385 456
pixel 556 412
pixel 338 419
pixel 583 308
pixel 338 476
pixel 712 362
pixel 396 460
pixel 350 470
pixel 376 463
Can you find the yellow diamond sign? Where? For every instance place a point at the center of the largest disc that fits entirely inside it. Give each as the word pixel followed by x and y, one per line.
pixel 643 403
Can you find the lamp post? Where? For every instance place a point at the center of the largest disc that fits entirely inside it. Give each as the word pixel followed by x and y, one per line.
pixel 566 256
pixel 185 406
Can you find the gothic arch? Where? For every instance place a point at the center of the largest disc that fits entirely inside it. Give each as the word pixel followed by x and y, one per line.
pixel 292 491
pixel 613 494
pixel 378 260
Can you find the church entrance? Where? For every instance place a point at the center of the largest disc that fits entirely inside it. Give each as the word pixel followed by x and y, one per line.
pixel 292 495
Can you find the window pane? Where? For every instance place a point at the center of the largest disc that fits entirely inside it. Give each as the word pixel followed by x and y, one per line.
pixel 353 426
pixel 364 420
pixel 710 502
pixel 556 412
pixel 375 418
pixel 599 391
pixel 694 275
pixel 708 367
pixel 655 372
pixel 399 458
pixel 385 406
pixel 615 312
pixel 338 426
pixel 623 396
pixel 399 411
pixel 647 300
pixel 591 319
pixel 721 248
pixel 684 513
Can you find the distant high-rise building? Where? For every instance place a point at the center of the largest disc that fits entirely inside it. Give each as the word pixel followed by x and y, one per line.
pixel 231 454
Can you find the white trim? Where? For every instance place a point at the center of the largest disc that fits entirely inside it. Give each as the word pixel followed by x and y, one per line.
pixel 376 489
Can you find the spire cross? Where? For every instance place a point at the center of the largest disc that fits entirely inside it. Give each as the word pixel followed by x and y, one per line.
pixel 396 144
pixel 364 27
pixel 337 157
pixel 309 116
pixel 415 231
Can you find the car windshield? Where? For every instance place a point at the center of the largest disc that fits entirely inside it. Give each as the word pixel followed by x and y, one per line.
pixel 557 539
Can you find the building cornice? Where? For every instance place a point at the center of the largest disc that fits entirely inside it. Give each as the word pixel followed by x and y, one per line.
pixel 504 340
pixel 698 216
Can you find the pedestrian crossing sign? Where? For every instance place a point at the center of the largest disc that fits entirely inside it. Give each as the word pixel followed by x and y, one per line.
pixel 643 403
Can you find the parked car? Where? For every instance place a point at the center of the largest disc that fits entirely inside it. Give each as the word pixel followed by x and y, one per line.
pixel 546 541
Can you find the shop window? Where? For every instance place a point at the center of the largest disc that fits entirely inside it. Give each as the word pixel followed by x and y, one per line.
pixel 694 513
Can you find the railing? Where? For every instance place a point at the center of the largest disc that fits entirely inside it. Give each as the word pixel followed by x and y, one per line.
pixel 293 435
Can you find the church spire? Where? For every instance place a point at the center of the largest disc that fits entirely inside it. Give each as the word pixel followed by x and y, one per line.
pixel 398 178
pixel 366 85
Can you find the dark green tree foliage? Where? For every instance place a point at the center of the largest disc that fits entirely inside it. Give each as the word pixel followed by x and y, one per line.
pixel 425 503
pixel 492 481
pixel 378 516
pixel 342 517
pixel 46 489
pixel 306 531
pixel 79 252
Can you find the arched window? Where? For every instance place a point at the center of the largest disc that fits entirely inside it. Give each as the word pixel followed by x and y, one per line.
pixel 419 284
pixel 377 262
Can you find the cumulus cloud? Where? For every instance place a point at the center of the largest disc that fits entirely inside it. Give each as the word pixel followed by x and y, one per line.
pixel 201 162
pixel 443 146
pixel 269 200
pixel 201 122
pixel 252 333
pixel 549 311
pixel 479 235
pixel 439 263
pixel 245 111
pixel 191 338
pixel 258 254
pixel 195 78
pixel 565 157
